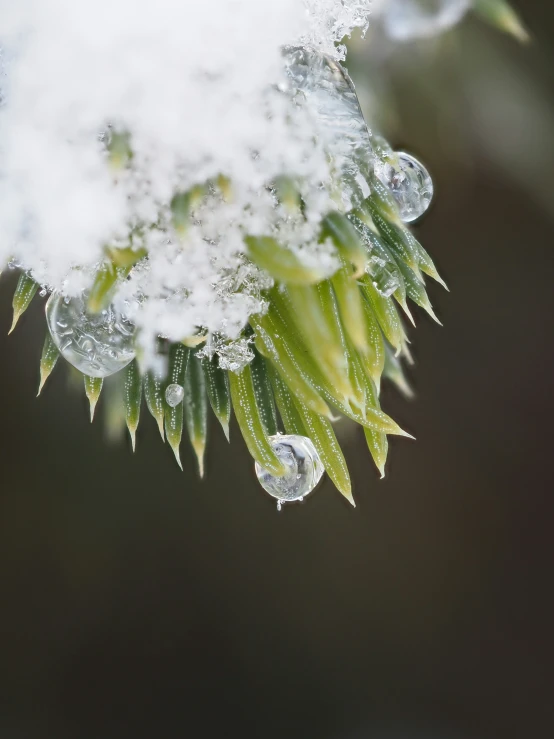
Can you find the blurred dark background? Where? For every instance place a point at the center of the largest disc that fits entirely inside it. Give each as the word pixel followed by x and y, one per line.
pixel 138 602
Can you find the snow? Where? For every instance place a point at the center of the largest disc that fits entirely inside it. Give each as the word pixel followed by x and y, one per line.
pixel 195 84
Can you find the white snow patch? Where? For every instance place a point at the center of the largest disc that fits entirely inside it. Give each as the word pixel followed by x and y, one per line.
pixel 195 85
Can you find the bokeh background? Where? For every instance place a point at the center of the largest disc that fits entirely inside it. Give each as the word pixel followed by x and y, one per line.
pixel 137 601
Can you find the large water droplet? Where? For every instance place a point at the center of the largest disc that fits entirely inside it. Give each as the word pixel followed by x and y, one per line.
pixel 98 345
pixel 174 395
pixel 409 182
pixel 304 469
pixel 320 83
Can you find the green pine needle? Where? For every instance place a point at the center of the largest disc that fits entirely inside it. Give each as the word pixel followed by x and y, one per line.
pixel 250 420
pixel 24 293
pixel 93 388
pixel 178 363
pixel 132 399
pixel 48 360
pixel 153 392
pixel 196 409
pixel 217 386
pixel 502 16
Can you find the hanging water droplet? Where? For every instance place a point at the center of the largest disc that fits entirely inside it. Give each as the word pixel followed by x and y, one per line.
pixel 304 469
pixel 321 84
pixel 409 182
pixel 174 395
pixel 97 345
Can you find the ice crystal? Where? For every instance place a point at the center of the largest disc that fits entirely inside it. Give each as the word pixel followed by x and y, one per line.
pixel 323 86
pixel 332 20
pixel 384 279
pixel 233 356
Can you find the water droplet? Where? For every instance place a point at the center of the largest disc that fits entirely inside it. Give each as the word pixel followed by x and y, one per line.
pixel 321 84
pixel 85 340
pixel 304 469
pixel 409 182
pixel 174 395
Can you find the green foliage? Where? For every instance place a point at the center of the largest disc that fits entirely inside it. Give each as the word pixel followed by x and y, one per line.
pixel 179 357
pixel 24 293
pixel 132 399
pixel 48 360
pixel 93 388
pixel 320 349
pixel 501 15
pixel 196 409
pixel 217 386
